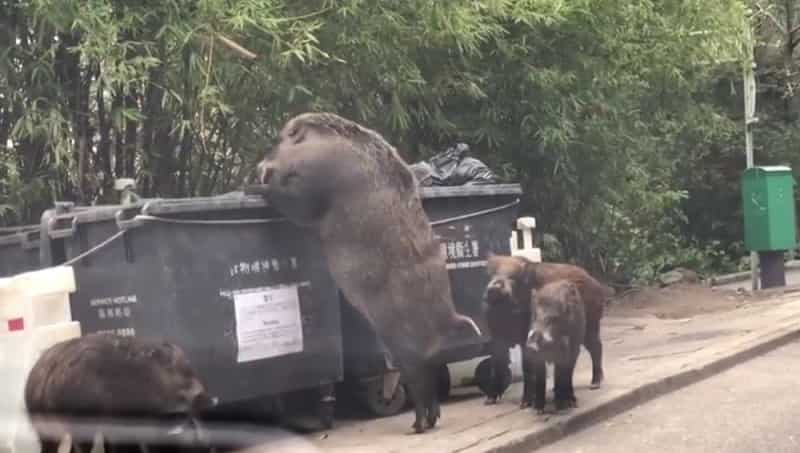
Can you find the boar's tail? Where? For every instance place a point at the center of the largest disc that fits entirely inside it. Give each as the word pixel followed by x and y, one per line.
pixel 466 321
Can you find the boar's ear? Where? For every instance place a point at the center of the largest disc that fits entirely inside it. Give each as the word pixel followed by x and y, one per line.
pixel 295 132
pixel 573 298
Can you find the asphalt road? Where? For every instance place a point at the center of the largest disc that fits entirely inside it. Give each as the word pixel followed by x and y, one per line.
pixel 753 407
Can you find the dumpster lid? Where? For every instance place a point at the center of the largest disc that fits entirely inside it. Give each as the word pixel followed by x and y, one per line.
pixel 476 190
pixel 84 214
pixel 229 201
pixel 240 200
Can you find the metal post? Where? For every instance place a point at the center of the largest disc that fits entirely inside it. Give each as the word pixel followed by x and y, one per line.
pixel 749 120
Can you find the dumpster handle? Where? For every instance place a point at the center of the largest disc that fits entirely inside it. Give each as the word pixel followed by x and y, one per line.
pixel 124 224
pixel 475 214
pixel 97 247
pixel 58 233
pixel 144 217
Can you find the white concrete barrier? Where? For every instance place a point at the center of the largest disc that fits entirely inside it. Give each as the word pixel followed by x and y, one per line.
pixel 525 227
pixel 34 315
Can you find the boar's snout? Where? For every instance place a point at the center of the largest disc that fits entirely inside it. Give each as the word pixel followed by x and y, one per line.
pixel 197 398
pixel 496 291
pixel 539 338
pixel 204 401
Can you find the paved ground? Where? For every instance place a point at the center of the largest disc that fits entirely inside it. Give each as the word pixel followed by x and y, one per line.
pixel 752 407
pixel 639 352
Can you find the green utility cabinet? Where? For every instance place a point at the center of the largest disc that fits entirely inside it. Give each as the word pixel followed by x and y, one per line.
pixel 769 212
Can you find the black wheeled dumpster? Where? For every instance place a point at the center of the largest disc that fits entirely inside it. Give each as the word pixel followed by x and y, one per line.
pixel 19 250
pixel 470 221
pixel 243 291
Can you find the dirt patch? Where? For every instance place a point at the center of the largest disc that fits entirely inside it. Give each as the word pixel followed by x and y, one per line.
pixel 678 301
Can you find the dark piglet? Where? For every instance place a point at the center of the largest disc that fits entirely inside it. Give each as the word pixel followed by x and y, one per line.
pixel 351 187
pixel 509 321
pixel 512 280
pixel 558 326
pixel 108 377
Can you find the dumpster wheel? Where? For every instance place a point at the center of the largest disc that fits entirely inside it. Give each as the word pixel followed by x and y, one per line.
pixel 371 395
pixel 483 376
pixel 327 406
pixel 326 412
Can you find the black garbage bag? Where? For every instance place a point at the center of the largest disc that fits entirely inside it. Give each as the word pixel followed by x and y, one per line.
pixel 452 168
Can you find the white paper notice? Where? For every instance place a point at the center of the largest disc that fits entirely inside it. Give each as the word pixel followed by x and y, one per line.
pixel 268 323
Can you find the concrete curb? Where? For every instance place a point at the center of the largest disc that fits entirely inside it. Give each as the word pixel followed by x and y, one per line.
pixel 742 276
pixel 710 363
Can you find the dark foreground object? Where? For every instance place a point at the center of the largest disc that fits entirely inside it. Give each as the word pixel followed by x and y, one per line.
pixel 113 378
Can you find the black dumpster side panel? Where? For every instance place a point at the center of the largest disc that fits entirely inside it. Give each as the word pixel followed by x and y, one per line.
pixel 200 290
pixel 485 227
pixel 181 281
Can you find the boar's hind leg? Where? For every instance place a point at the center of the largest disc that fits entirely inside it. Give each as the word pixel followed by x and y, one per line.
pixel 420 383
pixel 432 405
pixel 527 381
pixel 595 348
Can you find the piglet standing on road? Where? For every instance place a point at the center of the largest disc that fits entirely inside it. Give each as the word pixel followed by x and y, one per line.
pixel 353 189
pixel 110 378
pixel 558 326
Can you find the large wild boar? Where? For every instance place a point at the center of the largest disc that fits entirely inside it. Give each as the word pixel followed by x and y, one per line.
pixel 109 377
pixel 557 332
pixel 350 185
pixel 513 278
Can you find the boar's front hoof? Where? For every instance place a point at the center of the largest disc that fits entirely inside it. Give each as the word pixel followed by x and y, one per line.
pixel 431 420
pixel 564 404
pixel 597 380
pixel 418 427
pixel 524 404
pixel 490 400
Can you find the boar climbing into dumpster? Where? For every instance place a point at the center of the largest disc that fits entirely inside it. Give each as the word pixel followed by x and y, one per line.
pixel 514 280
pixel 110 378
pixel 353 189
pixel 558 325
